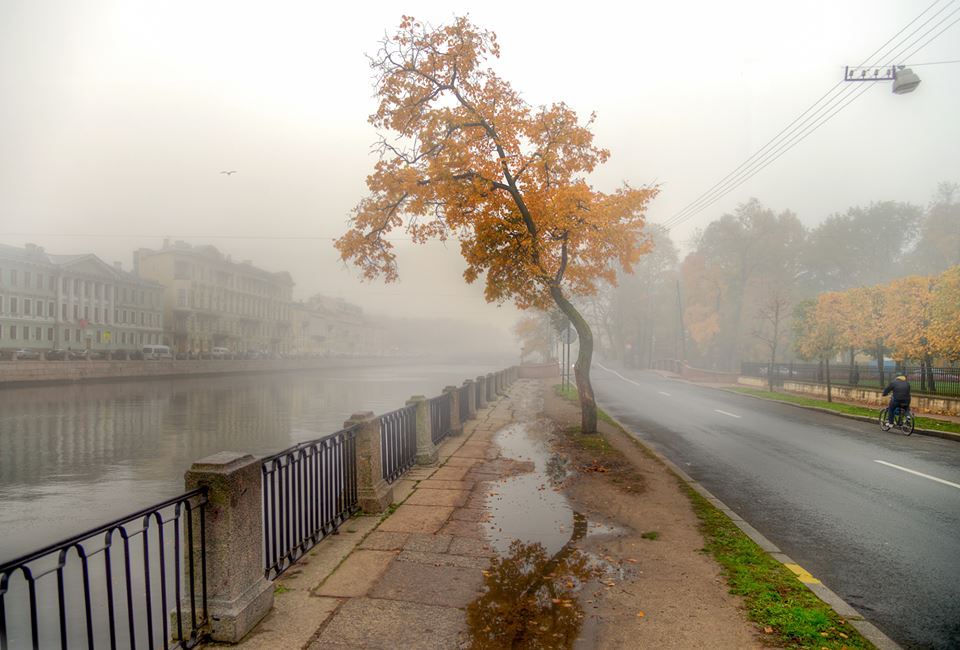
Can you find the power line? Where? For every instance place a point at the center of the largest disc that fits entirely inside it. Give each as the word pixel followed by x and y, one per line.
pixel 705 197
pixel 781 143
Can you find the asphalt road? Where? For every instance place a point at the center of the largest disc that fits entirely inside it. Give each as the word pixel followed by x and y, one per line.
pixel 822 488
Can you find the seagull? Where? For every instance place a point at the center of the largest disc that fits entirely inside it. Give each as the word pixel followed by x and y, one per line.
pixel 232 171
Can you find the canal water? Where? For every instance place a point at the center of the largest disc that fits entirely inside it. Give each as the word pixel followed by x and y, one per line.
pixel 75 456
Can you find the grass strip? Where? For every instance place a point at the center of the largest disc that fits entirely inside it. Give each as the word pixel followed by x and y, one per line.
pixel 787 612
pixel 775 598
pixel 853 409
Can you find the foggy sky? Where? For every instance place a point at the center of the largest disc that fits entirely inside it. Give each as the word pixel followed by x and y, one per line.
pixel 117 117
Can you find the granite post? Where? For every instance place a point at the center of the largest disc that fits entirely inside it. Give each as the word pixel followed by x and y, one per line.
pixel 374 494
pixel 471 399
pixel 481 392
pixel 491 391
pixel 426 450
pixel 238 594
pixel 456 426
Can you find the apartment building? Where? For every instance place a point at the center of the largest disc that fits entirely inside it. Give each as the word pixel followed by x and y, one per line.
pixel 325 326
pixel 212 301
pixel 74 301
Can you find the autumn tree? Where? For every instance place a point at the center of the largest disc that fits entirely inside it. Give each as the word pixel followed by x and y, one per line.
pixel 772 316
pixel 908 316
pixel 463 155
pixel 535 335
pixel 818 330
pixel 945 315
pixel 865 327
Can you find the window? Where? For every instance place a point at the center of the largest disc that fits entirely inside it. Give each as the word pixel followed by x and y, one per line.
pixel 13 332
pixel 64 285
pixel 66 334
pixel 142 319
pixel 13 307
pixel 38 334
pixel 99 336
pixel 76 312
pixel 78 336
pixel 86 312
pixel 63 311
pixel 124 319
pixel 116 315
pixel 26 279
pixel 13 281
pixel 98 290
pixel 49 333
pixel 51 283
pixel 26 306
pixel 51 310
pixel 181 297
pixel 123 337
pixel 96 314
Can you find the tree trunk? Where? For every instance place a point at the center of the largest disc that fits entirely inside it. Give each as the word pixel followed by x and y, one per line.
pixel 829 391
pixel 588 403
pixel 880 364
pixel 933 386
pixel 854 377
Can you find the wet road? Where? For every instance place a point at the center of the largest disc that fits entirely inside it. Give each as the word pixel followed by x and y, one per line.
pixel 833 493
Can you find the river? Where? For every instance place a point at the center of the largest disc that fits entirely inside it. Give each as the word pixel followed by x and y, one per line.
pixel 75 456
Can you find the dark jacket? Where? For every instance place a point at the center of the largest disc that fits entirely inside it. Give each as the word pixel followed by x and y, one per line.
pixel 900 389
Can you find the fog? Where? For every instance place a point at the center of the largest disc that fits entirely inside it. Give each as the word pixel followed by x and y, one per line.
pixel 118 117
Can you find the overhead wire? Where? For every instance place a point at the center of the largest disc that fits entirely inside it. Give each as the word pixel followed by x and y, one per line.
pixel 706 196
pixel 807 122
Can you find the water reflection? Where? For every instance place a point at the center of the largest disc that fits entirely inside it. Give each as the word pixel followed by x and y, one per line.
pixel 73 456
pixel 529 599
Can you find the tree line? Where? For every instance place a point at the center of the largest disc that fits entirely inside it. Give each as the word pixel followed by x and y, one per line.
pixel 735 294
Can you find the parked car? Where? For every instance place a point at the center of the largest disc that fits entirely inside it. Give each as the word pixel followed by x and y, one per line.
pixel 55 355
pixel 23 354
pixel 252 354
pixel 78 354
pixel 157 352
pixel 221 353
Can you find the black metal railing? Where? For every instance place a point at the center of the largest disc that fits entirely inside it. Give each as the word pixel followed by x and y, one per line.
pixel 440 417
pixel 398 442
pixel 308 491
pixel 113 586
pixel 940 381
pixel 464 395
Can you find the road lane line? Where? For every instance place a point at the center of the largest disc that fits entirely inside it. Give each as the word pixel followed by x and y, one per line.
pixel 733 415
pixel 635 383
pixel 913 471
pixel 662 393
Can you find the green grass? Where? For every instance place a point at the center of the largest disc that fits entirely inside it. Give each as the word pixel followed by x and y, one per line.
pixel 570 393
pixel 651 535
pixel 774 597
pixel 921 422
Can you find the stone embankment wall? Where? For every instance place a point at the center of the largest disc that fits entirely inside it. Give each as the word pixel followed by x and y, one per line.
pixel 22 372
pixel 872 396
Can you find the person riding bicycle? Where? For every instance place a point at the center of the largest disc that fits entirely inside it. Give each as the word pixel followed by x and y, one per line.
pixel 900 397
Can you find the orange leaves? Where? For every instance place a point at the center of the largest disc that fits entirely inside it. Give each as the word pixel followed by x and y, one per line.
pixel 462 153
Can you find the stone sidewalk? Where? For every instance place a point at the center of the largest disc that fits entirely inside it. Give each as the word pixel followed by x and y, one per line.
pixel 402 580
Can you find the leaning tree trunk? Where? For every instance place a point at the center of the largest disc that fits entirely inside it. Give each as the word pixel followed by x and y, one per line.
pixel 581 370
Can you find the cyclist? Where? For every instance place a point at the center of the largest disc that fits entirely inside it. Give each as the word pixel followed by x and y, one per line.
pixel 899 391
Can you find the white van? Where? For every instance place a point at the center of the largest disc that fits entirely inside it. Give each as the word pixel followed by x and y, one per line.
pixel 157 352
pixel 221 353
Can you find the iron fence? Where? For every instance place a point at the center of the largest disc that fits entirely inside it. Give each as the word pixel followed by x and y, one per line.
pixel 464 399
pixel 939 381
pixel 84 591
pixel 398 441
pixel 440 417
pixel 308 491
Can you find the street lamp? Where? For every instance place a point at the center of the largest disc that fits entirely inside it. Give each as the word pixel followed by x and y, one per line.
pixel 904 79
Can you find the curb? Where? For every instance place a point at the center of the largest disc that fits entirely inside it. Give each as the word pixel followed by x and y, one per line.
pixel 946 435
pixel 868 630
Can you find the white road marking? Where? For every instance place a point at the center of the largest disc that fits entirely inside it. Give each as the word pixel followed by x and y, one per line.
pixel 635 383
pixel 662 393
pixel 913 471
pixel 733 415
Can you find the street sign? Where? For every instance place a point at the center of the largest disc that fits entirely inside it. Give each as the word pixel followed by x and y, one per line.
pixel 568 336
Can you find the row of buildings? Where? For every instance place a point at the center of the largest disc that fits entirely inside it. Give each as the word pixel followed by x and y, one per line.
pixel 191 298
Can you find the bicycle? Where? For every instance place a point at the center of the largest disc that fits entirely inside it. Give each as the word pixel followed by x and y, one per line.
pixel 902 420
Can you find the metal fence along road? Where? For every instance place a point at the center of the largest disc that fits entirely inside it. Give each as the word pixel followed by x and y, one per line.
pixel 113 586
pixel 398 442
pixel 934 381
pixel 308 491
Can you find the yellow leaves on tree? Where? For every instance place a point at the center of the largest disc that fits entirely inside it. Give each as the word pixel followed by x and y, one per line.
pixel 462 154
pixel 907 316
pixel 944 336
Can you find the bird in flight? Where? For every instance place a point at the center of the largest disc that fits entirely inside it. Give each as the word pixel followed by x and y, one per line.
pixel 232 171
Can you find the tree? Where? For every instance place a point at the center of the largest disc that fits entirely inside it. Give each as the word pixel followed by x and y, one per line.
pixel 772 314
pixel 939 245
pixel 945 315
pixel 908 316
pixel 865 327
pixel 534 333
pixel 817 330
pixel 462 154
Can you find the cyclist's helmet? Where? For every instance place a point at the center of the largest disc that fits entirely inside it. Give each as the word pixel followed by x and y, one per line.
pixel 902 377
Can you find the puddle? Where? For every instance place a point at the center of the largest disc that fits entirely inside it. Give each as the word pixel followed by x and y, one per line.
pixel 530 599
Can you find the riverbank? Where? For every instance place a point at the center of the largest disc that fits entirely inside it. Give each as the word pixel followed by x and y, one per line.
pixel 525 534
pixel 20 373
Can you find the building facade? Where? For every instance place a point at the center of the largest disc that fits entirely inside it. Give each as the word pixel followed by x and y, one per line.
pixel 212 301
pixel 74 302
pixel 324 326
